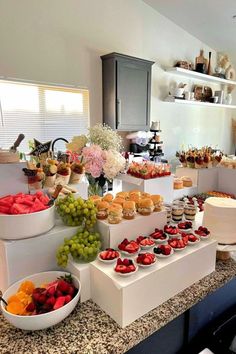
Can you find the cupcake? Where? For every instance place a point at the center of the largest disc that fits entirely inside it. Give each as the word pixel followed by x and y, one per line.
pixel 187 181
pixel 178 183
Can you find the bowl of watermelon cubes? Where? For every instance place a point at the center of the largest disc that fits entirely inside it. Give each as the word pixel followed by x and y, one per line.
pixel 41 300
pixel 25 215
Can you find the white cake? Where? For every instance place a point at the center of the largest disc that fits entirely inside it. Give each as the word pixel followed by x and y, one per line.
pixel 220 218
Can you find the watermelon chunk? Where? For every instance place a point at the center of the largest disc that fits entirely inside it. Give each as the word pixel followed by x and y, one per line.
pixel 23 203
pixel 5 210
pixel 37 206
pixel 20 209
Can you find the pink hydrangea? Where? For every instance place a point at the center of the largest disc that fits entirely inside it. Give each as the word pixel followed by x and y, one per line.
pixel 93 158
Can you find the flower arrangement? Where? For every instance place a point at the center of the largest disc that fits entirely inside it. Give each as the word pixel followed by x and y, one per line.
pixel 105 137
pixel 99 152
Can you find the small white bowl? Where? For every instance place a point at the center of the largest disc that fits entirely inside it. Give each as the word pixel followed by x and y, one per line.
pixel 178 236
pixel 188 231
pixel 194 243
pixel 179 249
pixel 125 253
pixel 204 238
pixel 148 246
pixel 46 320
pixel 158 241
pixel 163 256
pixel 110 261
pixel 125 275
pixel 146 265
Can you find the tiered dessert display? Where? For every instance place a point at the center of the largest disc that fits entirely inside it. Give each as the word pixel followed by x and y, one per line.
pixel 155 143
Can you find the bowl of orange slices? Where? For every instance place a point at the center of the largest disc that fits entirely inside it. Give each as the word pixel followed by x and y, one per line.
pixel 41 300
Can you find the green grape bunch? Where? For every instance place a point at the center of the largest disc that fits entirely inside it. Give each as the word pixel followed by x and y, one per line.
pixel 75 212
pixel 83 247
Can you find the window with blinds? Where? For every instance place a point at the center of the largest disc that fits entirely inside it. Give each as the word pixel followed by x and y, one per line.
pixel 42 112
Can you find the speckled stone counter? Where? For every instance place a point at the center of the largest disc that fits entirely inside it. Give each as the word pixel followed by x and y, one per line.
pixel 88 330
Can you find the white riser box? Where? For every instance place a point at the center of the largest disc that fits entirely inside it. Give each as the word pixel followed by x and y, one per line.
pixel 127 299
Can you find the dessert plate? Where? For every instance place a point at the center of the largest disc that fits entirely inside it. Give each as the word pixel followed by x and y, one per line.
pixel 164 256
pixel 110 261
pixel 146 265
pixel 125 275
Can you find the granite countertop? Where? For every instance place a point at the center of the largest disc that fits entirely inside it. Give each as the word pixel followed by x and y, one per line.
pixel 88 330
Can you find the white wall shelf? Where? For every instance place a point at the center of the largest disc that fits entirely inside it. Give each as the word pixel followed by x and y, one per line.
pixel 198 76
pixel 198 103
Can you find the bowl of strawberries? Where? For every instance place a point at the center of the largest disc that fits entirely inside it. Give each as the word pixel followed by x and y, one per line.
pixel 146 259
pixel 129 248
pixel 125 267
pixel 159 236
pixel 163 251
pixel 108 256
pixel 145 242
pixel 41 300
pixel 203 233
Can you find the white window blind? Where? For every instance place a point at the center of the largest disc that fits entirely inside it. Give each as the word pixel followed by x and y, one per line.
pixel 42 112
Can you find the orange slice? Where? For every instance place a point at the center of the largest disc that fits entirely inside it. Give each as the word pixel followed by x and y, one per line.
pixel 27 287
pixel 16 308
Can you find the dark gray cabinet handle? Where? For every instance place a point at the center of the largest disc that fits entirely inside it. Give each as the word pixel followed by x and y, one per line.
pixel 118 119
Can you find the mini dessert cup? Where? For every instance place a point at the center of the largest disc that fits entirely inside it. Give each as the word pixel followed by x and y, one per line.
pixel 50 181
pixel 63 180
pixel 168 208
pixel 177 212
pixel 76 177
pixel 190 212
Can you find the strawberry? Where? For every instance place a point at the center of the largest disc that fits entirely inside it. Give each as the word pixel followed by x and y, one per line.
pixel 51 291
pixel 120 268
pixel 51 301
pixel 42 299
pixel 63 286
pixel 60 301
pixel 119 261
pixel 58 293
pixel 31 307
pixel 70 290
pixel 126 262
pixel 68 298
pixel 147 261
pixel 131 267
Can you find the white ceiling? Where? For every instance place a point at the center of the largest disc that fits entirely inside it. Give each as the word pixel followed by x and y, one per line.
pixel 208 20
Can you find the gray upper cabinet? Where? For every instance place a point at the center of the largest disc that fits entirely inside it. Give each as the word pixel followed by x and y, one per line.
pixel 126 92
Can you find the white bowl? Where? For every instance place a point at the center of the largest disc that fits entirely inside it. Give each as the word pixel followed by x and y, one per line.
pixel 110 261
pixel 148 246
pixel 146 265
pixel 125 253
pixel 158 241
pixel 17 227
pixel 126 274
pixel 164 256
pixel 37 322
pixel 179 249
pixel 194 243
